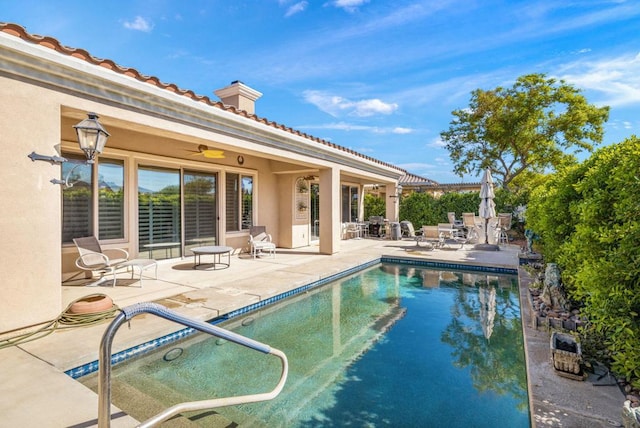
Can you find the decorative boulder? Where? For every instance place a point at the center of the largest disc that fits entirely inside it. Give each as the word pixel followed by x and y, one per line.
pixel 553 294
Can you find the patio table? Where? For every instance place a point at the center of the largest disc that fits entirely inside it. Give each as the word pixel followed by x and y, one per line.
pixel 216 250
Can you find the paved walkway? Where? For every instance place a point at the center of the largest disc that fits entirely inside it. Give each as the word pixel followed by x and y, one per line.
pixel 37 393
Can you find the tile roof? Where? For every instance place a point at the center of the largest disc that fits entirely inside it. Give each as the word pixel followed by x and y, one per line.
pixel 52 43
pixel 412 179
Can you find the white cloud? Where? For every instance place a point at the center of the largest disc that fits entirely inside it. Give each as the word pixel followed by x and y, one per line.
pixel 437 143
pixel 296 8
pixel 401 130
pixel 337 106
pixel 617 79
pixel 139 24
pixel 349 5
pixel 343 126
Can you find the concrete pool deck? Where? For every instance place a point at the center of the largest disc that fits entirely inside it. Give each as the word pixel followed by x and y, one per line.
pixel 37 393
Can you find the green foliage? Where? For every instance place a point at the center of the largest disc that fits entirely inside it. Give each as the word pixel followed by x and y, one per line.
pixel 373 206
pixel 525 128
pixel 589 219
pixel 422 209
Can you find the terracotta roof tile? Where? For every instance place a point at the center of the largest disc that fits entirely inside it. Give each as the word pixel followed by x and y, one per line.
pixel 52 43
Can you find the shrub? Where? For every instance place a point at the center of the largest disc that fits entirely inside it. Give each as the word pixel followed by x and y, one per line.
pixel 589 219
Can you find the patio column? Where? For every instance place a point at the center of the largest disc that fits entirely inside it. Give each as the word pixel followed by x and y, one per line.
pixel 329 211
pixel 360 202
pixel 392 202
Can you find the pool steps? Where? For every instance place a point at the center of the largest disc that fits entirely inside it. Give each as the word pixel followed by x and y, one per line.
pixel 104 362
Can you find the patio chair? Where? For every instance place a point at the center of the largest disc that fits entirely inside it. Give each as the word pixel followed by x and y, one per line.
pixel 407 230
pixel 504 223
pixel 353 230
pixel 94 259
pixel 260 240
pixel 449 235
pixel 473 226
pixel 456 224
pixel 431 235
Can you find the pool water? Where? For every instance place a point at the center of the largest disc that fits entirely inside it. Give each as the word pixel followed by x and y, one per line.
pixel 390 346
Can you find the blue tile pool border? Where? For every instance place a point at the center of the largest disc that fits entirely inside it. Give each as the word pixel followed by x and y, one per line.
pixel 151 345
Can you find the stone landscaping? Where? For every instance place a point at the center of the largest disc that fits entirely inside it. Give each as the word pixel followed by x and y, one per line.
pixel 552 312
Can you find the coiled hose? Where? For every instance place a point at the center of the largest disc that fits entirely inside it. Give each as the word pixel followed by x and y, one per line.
pixel 67 319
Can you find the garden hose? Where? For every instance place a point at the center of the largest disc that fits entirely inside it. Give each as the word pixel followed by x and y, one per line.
pixel 67 319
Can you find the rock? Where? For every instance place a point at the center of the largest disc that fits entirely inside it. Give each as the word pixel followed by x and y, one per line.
pixel 553 294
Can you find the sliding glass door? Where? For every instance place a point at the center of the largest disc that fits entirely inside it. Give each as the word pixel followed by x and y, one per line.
pixel 159 213
pixel 166 203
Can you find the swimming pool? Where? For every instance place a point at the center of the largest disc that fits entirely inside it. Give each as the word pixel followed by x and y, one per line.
pixel 393 345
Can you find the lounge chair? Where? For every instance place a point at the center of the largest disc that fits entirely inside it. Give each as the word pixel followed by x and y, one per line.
pixel 450 235
pixel 407 230
pixel 94 259
pixel 430 235
pixel 260 241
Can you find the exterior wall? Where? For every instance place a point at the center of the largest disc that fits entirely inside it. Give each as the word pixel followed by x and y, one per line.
pixel 30 256
pixel 30 216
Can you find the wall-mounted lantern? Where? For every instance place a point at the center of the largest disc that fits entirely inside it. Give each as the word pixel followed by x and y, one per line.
pixel 92 137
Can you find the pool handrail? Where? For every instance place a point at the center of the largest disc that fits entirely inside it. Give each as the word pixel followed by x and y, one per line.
pixel 104 362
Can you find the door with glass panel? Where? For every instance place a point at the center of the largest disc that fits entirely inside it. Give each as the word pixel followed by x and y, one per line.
pixel 200 219
pixel 315 211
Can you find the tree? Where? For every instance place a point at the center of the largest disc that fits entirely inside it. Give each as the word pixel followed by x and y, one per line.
pixel 524 128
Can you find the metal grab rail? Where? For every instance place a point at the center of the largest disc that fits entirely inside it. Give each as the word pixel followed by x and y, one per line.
pixel 104 360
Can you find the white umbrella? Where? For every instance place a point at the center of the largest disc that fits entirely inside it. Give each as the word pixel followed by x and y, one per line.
pixel 487 299
pixel 487 209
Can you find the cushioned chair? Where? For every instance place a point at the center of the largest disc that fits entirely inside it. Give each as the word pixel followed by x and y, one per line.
pixel 260 241
pixel 94 259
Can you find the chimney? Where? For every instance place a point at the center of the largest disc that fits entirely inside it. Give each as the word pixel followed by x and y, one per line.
pixel 239 95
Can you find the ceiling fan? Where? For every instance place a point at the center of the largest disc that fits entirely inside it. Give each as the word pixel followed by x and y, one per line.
pixel 209 153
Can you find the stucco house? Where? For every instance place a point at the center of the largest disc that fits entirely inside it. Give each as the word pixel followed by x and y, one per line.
pixel 178 169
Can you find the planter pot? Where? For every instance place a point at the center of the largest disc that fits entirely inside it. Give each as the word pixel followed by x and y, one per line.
pixel 91 304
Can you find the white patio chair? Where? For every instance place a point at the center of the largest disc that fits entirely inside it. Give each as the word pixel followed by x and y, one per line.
pixel 94 259
pixel 260 241
pixel 353 230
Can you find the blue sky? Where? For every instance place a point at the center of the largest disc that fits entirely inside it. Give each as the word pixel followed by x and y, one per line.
pixel 378 76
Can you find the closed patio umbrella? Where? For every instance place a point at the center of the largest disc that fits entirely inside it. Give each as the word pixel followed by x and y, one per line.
pixel 487 299
pixel 487 209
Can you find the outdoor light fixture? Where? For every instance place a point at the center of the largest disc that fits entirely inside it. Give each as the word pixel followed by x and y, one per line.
pixel 92 138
